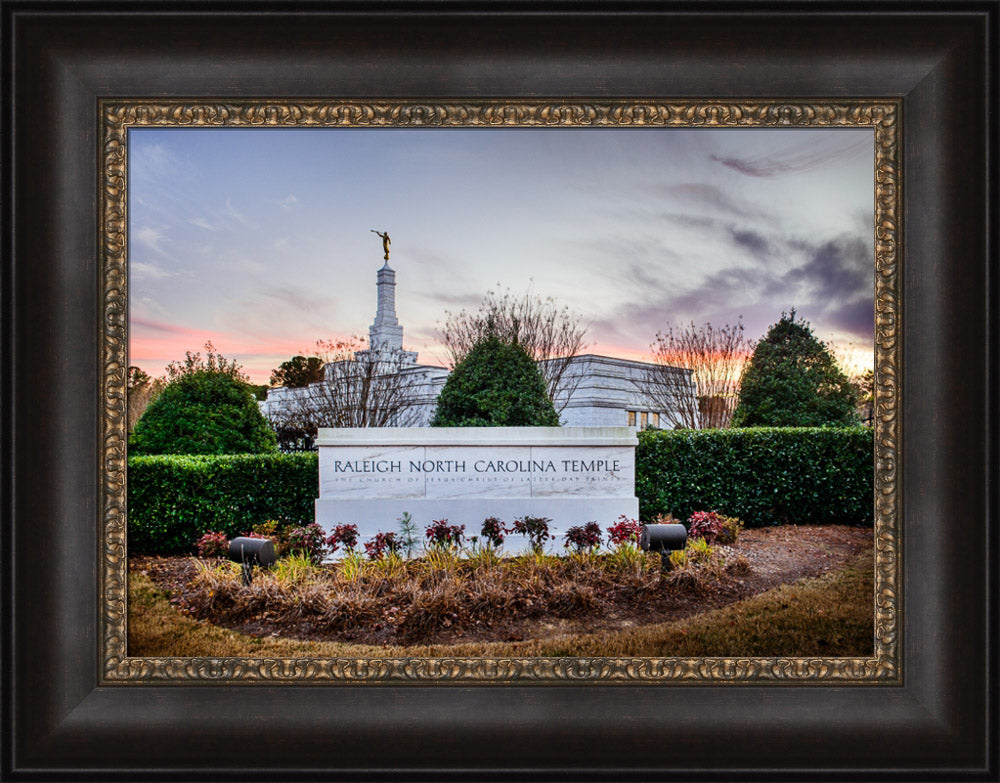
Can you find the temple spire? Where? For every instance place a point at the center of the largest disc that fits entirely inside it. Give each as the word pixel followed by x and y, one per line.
pixel 385 335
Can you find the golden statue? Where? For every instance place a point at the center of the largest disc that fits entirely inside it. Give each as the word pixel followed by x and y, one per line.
pixel 385 241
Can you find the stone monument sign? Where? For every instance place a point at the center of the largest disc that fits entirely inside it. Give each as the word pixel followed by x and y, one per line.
pixel 572 475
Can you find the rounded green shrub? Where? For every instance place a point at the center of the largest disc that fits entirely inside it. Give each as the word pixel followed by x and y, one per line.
pixel 497 384
pixel 203 412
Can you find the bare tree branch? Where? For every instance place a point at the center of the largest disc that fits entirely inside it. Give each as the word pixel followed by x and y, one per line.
pixel 360 389
pixel 142 390
pixel 213 362
pixel 551 335
pixel 715 359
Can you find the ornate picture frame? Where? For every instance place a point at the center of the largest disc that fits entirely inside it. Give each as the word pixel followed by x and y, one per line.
pixel 119 117
pixel 75 706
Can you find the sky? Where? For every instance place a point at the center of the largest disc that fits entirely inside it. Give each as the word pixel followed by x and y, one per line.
pixel 259 240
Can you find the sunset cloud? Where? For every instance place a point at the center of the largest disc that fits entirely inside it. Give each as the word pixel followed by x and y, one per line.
pixel 259 239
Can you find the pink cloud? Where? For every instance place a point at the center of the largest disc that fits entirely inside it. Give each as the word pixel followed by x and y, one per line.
pixel 618 351
pixel 153 346
pixel 145 325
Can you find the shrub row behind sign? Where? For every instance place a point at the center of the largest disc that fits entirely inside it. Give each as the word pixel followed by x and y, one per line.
pixel 765 476
pixel 174 500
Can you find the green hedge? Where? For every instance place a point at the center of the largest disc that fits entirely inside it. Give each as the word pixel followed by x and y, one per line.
pixel 174 499
pixel 765 475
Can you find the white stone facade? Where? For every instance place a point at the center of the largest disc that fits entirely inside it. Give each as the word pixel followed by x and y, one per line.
pixel 596 391
pixel 371 476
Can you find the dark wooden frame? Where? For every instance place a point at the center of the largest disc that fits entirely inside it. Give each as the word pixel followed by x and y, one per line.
pixel 60 722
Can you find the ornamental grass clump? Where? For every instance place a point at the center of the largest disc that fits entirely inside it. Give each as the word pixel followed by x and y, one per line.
pixel 353 566
pixel 214 585
pixel 349 608
pixel 297 568
pixel 731 529
pixel 626 557
pixel 392 565
pixel 572 599
pixel 438 562
pixel 700 564
pixel 698 550
pixel 482 556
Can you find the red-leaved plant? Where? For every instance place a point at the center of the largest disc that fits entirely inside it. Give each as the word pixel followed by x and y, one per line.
pixel 583 537
pixel 444 536
pixel 213 545
pixel 307 540
pixel 343 536
pixel 381 545
pixel 493 531
pixel 705 524
pixel 535 528
pixel 624 531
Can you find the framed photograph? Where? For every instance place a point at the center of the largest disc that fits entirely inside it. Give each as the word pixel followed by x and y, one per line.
pixel 85 91
pixel 728 214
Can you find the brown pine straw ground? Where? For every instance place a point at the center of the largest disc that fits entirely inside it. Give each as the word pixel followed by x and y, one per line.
pixel 558 606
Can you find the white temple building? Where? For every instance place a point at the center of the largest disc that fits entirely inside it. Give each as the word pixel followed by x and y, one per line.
pixel 595 390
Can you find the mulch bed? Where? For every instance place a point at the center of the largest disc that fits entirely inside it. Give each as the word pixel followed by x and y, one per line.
pixel 773 556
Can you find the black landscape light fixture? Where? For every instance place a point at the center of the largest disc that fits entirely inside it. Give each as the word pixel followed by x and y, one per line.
pixel 250 552
pixel 663 539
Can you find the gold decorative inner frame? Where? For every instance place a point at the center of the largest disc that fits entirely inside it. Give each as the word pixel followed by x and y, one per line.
pixel 117 117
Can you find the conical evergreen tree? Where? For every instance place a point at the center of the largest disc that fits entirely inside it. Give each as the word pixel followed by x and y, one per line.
pixel 792 380
pixel 497 384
